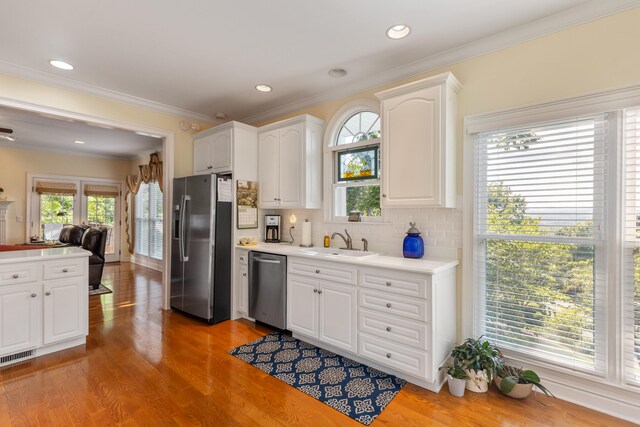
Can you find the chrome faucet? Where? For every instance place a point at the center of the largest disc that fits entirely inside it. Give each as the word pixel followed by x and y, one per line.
pixel 365 243
pixel 347 240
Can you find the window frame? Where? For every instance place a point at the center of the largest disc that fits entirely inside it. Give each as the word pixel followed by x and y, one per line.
pixel 615 394
pixel 330 159
pixel 152 221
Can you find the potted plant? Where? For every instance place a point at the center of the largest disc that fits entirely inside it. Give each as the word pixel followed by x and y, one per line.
pixel 517 383
pixel 480 360
pixel 456 378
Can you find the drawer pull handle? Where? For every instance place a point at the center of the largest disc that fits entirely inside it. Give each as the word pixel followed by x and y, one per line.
pixel 388 283
pixel 388 355
pixel 388 328
pixel 317 271
pixel 33 295
pixel 15 276
pixel 315 291
pixel 388 305
pixel 47 293
pixel 65 270
pixel 319 292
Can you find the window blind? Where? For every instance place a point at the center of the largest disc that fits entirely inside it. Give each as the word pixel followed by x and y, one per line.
pixel 540 227
pixel 631 290
pixel 149 221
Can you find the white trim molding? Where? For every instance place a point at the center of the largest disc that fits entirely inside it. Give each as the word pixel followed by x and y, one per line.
pixel 609 393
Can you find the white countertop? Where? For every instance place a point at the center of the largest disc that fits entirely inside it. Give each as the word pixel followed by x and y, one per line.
pixel 42 254
pixel 424 265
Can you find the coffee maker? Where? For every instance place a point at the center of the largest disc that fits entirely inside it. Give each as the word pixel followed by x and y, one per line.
pixel 272 228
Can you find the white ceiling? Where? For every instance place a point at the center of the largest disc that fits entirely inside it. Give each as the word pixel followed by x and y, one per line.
pixel 43 132
pixel 205 57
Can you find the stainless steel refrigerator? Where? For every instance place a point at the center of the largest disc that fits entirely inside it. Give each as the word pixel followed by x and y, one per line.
pixel 201 246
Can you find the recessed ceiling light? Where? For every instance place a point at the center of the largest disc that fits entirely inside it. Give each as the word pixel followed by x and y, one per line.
pixel 337 72
pixel 398 32
pixel 221 116
pixel 7 138
pixel 79 142
pixel 263 88
pixel 61 64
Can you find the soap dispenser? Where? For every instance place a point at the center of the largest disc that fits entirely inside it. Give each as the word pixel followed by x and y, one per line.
pixel 413 245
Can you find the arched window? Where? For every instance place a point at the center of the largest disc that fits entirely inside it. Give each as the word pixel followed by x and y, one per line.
pixel 353 151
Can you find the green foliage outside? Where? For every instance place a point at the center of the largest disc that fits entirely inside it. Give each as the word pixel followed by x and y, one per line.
pixel 51 205
pixel 364 199
pixel 101 210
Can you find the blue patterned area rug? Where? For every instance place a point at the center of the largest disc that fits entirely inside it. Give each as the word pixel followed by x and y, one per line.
pixel 356 390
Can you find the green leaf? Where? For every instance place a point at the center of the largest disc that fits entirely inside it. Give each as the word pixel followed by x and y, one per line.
pixel 530 377
pixel 507 384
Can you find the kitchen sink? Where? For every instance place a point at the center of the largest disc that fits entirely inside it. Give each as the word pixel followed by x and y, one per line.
pixel 338 253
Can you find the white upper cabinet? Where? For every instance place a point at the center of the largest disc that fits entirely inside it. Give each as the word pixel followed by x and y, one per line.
pixel 213 149
pixel 290 163
pixel 419 143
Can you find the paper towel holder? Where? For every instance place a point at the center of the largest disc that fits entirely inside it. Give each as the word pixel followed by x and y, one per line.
pixel 310 245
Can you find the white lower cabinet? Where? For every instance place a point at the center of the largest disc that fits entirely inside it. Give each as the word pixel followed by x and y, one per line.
pixel 63 306
pixel 19 317
pixel 241 288
pixel 323 310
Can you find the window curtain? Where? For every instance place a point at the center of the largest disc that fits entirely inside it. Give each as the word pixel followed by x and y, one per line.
pixel 146 173
pixel 56 188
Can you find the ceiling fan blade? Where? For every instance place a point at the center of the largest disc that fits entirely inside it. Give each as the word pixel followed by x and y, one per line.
pixel 6 130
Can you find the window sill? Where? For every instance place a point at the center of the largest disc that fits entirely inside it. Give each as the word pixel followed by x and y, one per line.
pixel 345 222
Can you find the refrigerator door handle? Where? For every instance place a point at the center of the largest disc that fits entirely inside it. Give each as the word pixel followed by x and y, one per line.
pixel 183 243
pixel 267 261
pixel 181 230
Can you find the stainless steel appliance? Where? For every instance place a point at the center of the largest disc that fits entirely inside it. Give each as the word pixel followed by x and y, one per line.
pixel 268 288
pixel 201 247
pixel 272 228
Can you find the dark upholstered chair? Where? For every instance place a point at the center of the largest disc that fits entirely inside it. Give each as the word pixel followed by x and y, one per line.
pixel 72 234
pixel 95 240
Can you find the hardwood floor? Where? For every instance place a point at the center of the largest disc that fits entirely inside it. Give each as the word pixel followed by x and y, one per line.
pixel 143 366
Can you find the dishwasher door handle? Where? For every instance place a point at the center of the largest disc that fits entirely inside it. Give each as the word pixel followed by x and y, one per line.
pixel 267 261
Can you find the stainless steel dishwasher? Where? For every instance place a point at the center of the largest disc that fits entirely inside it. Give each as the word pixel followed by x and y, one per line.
pixel 268 288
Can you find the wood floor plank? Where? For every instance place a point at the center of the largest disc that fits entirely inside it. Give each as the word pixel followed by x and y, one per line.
pixel 143 366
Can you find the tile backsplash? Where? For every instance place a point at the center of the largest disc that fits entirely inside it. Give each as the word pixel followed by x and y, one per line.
pixel 440 228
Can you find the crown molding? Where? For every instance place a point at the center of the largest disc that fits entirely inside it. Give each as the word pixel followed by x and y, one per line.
pixel 66 83
pixel 569 18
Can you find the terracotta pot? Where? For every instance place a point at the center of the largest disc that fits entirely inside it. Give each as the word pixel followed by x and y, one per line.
pixel 478 382
pixel 456 386
pixel 520 391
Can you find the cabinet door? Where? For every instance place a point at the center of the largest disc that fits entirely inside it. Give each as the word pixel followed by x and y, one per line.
pixel 221 151
pixel 338 316
pixel 269 168
pixel 202 155
pixel 243 291
pixel 19 318
pixel 65 309
pixel 411 152
pixel 292 166
pixel 302 306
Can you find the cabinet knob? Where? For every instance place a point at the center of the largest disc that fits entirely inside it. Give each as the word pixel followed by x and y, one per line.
pixel 275 200
pixel 47 293
pixel 241 258
pixel 388 283
pixel 15 276
pixel 209 167
pixel 388 328
pixel 33 295
pixel 244 274
pixel 65 270
pixel 315 291
pixel 319 292
pixel 388 355
pixel 384 195
pixel 388 305
pixel 317 271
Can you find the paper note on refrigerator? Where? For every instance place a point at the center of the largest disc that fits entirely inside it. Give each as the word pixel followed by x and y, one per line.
pixel 224 190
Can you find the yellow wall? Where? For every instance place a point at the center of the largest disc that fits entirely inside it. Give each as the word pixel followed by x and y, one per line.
pixel 16 163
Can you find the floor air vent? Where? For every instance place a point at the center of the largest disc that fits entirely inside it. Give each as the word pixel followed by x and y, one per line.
pixel 16 357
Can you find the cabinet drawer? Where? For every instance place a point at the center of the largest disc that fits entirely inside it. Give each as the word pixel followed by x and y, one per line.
pixel 18 273
pixel 388 353
pixel 324 271
pixel 413 285
pixel 393 328
pixel 64 268
pixel 243 258
pixel 391 304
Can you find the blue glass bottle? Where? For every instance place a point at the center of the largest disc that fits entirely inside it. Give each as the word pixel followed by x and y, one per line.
pixel 413 246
